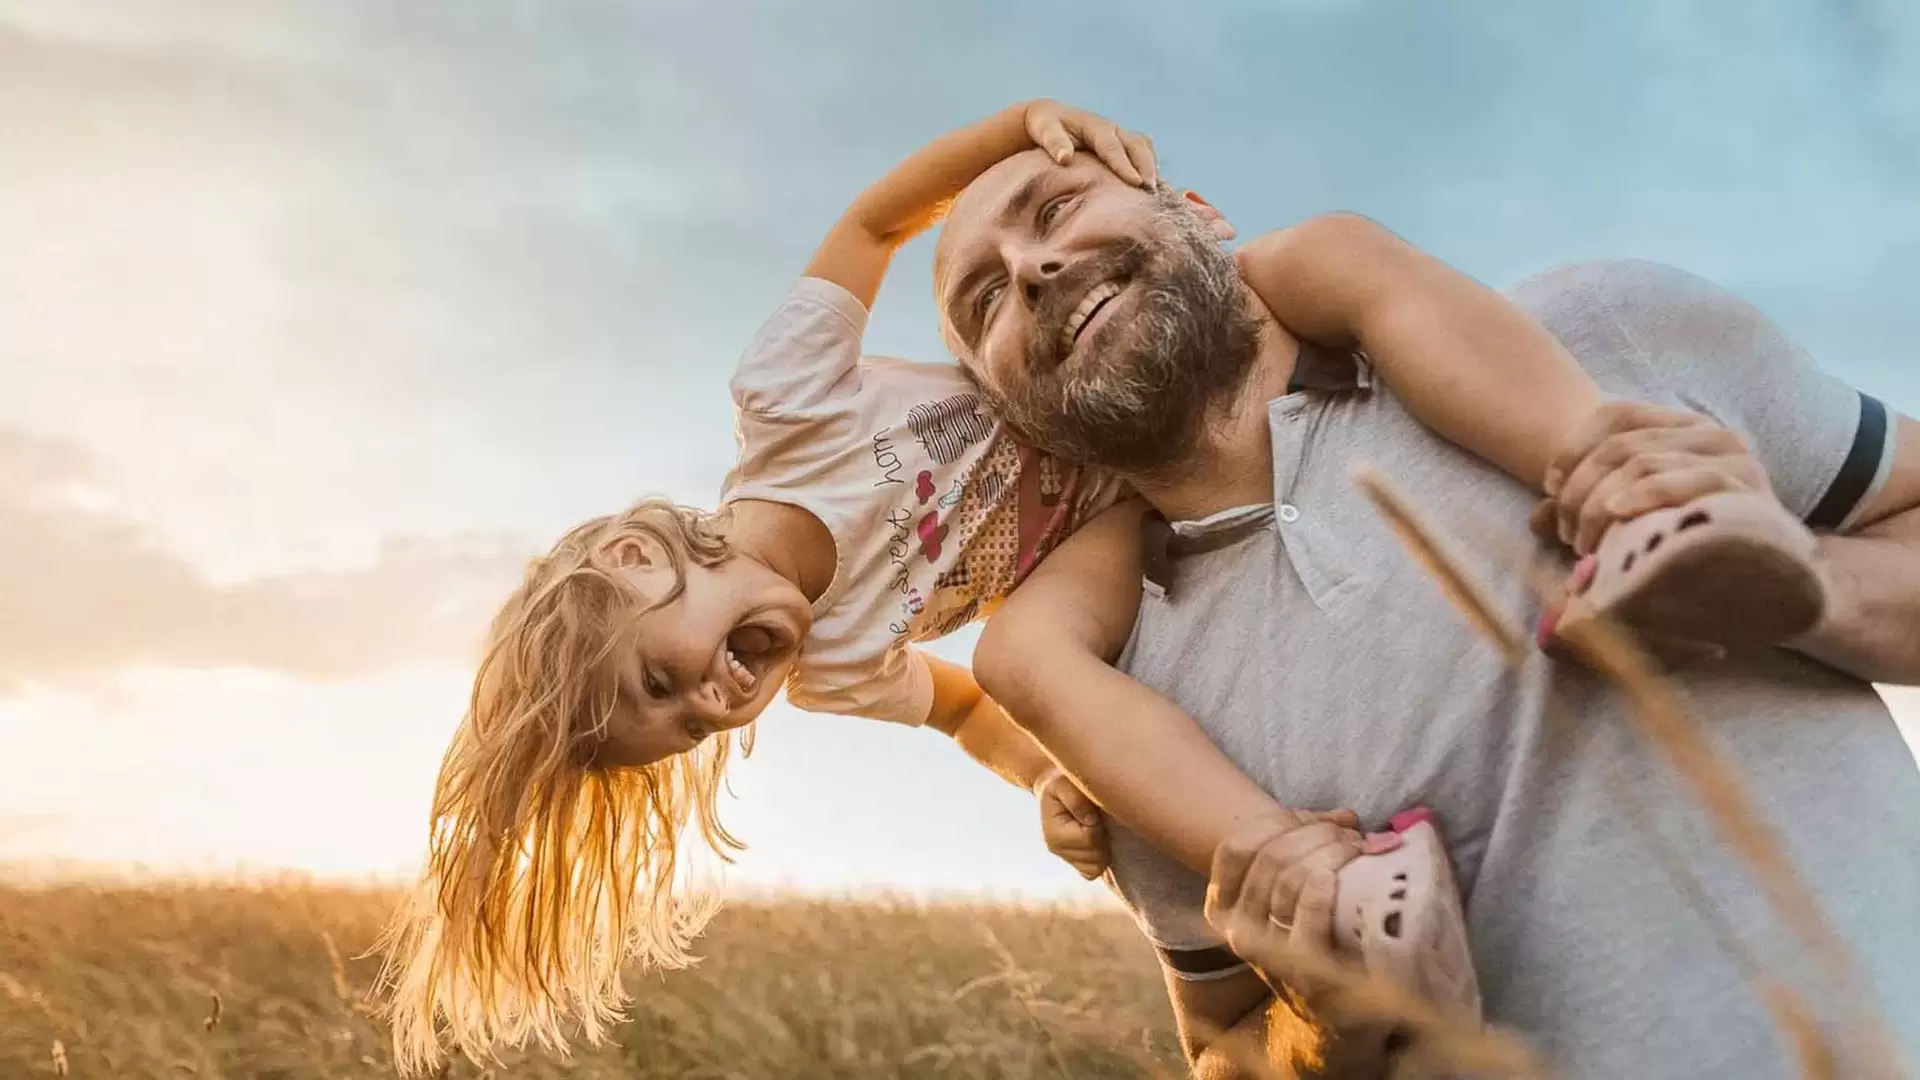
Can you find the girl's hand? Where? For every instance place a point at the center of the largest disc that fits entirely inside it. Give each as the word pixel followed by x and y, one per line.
pixel 1630 458
pixel 1061 129
pixel 1074 828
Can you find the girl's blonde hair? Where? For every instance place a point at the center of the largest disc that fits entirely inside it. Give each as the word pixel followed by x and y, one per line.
pixel 546 875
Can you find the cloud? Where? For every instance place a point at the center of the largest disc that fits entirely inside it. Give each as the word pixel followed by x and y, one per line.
pixel 359 269
pixel 89 591
pixel 281 279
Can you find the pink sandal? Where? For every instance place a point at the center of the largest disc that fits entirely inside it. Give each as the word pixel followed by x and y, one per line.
pixel 1725 571
pixel 1400 913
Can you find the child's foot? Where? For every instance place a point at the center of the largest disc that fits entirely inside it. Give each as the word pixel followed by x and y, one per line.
pixel 1723 572
pixel 1399 912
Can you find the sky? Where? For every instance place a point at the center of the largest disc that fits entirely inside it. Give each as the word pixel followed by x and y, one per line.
pixel 317 317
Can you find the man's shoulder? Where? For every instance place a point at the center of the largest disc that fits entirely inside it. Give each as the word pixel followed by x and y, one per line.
pixel 1620 319
pixel 1630 301
pixel 1610 281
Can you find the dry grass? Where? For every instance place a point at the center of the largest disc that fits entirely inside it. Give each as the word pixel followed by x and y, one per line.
pixel 263 983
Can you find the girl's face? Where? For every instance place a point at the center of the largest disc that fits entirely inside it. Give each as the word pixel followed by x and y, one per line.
pixel 706 662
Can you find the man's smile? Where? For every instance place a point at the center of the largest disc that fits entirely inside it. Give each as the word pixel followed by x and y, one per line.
pixel 1093 308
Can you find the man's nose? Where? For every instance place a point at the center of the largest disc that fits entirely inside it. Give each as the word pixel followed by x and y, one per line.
pixel 1035 272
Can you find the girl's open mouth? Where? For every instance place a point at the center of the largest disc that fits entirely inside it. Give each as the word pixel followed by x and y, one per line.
pixel 749 652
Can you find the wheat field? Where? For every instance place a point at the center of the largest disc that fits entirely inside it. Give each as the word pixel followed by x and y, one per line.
pixel 267 982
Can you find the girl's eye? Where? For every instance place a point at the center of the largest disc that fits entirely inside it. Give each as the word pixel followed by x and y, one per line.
pixel 654 687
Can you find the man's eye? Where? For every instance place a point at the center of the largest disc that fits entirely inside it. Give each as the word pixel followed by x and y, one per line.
pixel 1052 210
pixel 984 302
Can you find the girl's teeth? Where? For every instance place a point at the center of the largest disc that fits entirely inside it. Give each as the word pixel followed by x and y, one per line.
pixel 740 671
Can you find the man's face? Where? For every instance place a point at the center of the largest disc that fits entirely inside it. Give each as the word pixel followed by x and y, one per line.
pixel 1103 321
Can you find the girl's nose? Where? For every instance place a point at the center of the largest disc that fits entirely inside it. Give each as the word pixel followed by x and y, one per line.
pixel 708 702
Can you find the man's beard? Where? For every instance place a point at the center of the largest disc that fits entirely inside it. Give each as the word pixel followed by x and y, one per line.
pixel 1140 396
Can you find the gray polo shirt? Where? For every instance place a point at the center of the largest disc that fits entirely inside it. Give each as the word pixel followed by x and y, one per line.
pixel 1328 666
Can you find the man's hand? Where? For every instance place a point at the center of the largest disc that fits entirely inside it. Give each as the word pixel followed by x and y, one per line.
pixel 1073 826
pixel 1629 458
pixel 1276 951
pixel 1259 896
pixel 1286 934
pixel 1060 129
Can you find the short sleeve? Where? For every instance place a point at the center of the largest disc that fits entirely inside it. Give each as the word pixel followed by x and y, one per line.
pixel 896 686
pixel 1827 446
pixel 806 352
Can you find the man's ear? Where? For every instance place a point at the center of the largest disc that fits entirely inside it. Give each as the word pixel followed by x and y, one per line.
pixel 1223 229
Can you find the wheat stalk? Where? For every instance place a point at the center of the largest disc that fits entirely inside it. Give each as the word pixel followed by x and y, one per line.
pixel 342 989
pixel 1439 1044
pixel 1660 718
pixel 1422 543
pixel 1718 787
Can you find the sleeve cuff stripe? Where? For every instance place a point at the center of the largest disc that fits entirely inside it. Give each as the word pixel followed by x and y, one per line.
pixel 1859 472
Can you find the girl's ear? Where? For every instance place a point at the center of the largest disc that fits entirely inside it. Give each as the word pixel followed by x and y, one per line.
pixel 637 551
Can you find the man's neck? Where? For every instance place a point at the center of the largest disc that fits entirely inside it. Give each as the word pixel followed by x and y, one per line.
pixel 1233 465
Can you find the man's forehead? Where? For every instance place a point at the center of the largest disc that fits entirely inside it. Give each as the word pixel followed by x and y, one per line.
pixel 981 201
pixel 990 191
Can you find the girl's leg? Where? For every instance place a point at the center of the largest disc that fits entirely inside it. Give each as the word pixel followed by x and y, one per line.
pixel 1723 572
pixel 1045 656
pixel 1400 913
pixel 1481 372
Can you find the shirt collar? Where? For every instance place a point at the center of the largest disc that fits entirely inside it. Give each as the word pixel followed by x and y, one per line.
pixel 1317 370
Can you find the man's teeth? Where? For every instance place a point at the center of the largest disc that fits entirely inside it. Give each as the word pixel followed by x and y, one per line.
pixel 1096 296
pixel 740 671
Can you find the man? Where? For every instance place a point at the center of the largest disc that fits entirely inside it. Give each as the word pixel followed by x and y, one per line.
pixel 1285 618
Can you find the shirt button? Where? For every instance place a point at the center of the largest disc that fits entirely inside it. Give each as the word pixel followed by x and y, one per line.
pixel 1289 513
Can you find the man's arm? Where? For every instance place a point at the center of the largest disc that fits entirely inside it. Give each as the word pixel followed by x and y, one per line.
pixel 1633 458
pixel 1270 1040
pixel 1751 411
pixel 1227 1021
pixel 1871 628
pixel 1775 422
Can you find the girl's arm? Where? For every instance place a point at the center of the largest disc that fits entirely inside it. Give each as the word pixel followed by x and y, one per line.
pixel 914 195
pixel 1070 823
pixel 855 255
pixel 1046 655
pixel 1468 363
pixel 962 710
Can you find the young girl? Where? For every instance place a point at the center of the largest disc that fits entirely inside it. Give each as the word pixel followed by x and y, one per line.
pixel 874 504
